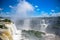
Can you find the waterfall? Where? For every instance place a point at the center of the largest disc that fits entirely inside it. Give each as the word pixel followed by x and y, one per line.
pixel 43 26
pixel 47 36
pixel 26 25
pixel 16 34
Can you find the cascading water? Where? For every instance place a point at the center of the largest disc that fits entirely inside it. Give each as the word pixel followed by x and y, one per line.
pixel 16 34
pixel 43 26
pixel 31 36
pixel 47 36
pixel 26 24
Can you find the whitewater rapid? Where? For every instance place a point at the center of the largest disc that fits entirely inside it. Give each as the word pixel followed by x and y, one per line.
pixel 16 34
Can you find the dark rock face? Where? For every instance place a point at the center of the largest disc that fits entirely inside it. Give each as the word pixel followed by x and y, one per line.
pixel 0 39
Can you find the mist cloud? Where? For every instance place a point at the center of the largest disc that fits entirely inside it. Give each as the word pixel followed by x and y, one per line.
pixel 22 10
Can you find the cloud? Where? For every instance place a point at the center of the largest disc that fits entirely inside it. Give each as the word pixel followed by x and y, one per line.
pixel 55 14
pixel 52 10
pixel 24 7
pixel 45 14
pixel 22 10
pixel 1 9
pixel 11 6
pixel 5 14
pixel 36 6
pixel 50 14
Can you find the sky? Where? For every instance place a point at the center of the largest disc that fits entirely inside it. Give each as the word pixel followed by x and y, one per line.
pixel 30 7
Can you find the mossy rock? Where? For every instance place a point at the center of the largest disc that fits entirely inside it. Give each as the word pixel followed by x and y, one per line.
pixel 36 33
pixel 3 27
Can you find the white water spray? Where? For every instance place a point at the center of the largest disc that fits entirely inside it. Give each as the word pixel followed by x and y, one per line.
pixel 16 34
pixel 26 25
pixel 43 26
pixel 47 36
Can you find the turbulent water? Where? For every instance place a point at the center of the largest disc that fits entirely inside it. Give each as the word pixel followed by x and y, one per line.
pixel 39 29
pixel 36 29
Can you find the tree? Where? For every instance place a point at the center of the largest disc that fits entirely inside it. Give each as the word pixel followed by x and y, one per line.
pixel 7 20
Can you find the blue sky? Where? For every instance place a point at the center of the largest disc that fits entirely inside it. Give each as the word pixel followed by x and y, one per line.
pixel 40 5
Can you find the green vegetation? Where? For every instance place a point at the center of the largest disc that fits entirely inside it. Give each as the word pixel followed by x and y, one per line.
pixel 36 33
pixel 7 20
pixel 3 27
